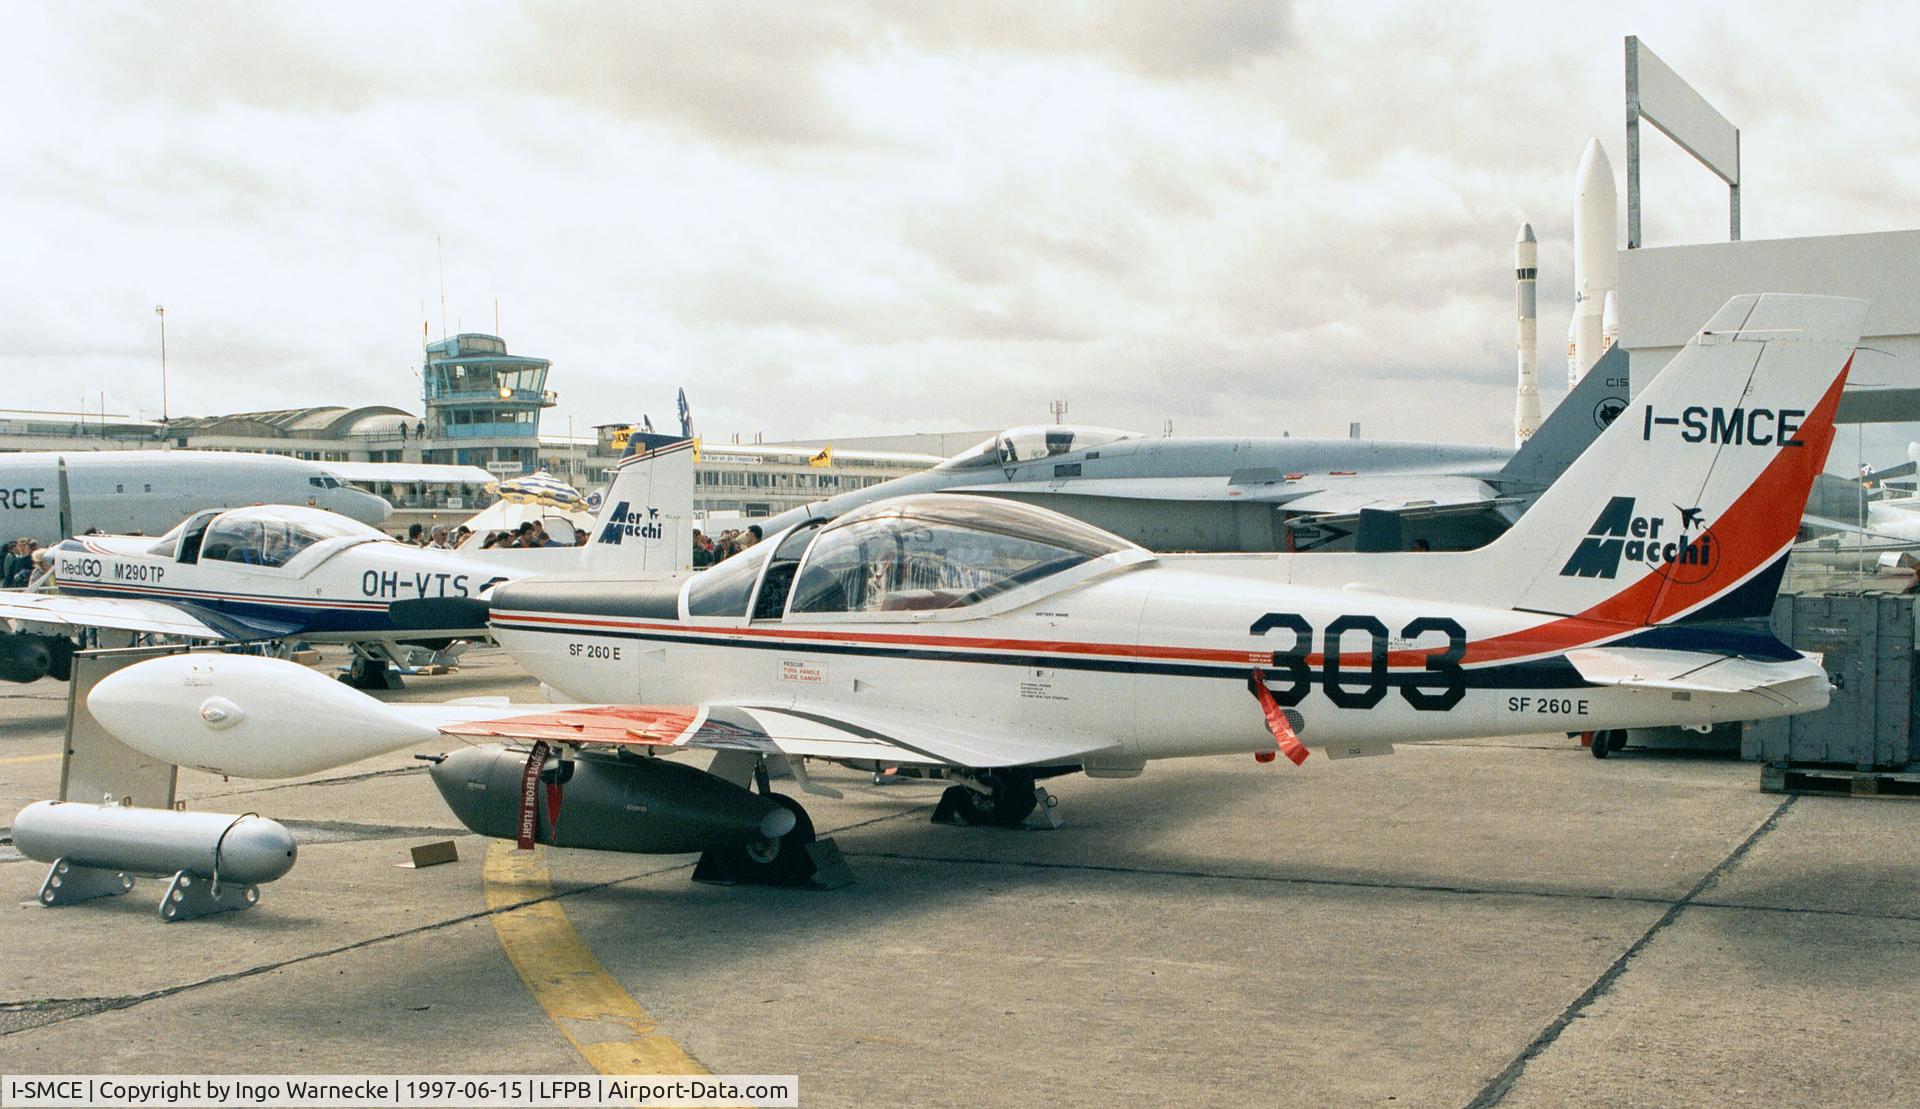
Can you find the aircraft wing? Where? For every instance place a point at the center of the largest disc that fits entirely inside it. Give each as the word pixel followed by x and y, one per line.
pixel 906 739
pixel 125 614
pixel 1310 494
pixel 1692 671
pixel 1213 487
pixel 1424 494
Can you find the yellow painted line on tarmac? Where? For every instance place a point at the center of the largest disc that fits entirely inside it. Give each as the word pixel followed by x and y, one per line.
pixel 16 760
pixel 600 1019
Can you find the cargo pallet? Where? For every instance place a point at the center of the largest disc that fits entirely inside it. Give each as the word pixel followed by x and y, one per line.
pixel 1829 780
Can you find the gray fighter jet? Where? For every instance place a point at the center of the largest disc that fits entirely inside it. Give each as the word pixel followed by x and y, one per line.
pixel 1274 494
pixel 1283 494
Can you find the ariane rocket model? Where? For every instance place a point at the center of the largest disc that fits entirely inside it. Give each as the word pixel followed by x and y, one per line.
pixel 1526 270
pixel 1596 263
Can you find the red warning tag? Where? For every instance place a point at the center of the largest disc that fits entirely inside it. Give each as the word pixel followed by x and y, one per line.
pixel 1290 744
pixel 530 795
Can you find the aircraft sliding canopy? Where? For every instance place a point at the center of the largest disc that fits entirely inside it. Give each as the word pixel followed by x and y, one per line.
pixel 908 555
pixel 1026 444
pixel 272 535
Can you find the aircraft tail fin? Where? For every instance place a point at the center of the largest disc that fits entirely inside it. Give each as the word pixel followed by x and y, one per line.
pixel 1684 508
pixel 1572 426
pixel 645 524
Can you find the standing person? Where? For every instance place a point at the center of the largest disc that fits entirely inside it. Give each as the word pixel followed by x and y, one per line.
pixel 437 539
pixel 579 537
pixel 414 535
pixel 460 536
pixel 16 566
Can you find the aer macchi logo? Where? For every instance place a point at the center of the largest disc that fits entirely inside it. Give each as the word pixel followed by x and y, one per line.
pixel 1679 547
pixel 625 523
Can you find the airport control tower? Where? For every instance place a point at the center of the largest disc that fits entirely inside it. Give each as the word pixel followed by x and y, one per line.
pixel 483 404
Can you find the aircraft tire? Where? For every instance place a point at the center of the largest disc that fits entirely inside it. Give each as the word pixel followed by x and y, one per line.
pixel 1604 743
pixel 775 862
pixel 1011 799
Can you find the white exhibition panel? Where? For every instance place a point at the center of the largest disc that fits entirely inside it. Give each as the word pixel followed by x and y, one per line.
pixel 1683 115
pixel 1667 293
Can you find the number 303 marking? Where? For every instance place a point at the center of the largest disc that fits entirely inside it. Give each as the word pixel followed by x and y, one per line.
pixel 1438 688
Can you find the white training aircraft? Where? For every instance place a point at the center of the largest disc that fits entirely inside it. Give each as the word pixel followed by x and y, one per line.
pixel 278 573
pixel 997 643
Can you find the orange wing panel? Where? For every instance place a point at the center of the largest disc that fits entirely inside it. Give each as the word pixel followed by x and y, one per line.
pixel 614 724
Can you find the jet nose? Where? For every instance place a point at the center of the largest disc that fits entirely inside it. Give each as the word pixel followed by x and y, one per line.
pixel 362 506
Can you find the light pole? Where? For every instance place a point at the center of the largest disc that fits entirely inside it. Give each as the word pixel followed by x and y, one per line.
pixel 161 311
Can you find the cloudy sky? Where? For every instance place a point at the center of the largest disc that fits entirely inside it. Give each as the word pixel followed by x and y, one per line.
pixel 842 218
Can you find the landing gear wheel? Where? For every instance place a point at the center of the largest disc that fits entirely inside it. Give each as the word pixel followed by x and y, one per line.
pixel 1607 742
pixel 1008 801
pixel 775 862
pixel 371 674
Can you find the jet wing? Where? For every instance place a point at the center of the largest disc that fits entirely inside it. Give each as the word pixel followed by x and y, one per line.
pixel 1694 672
pixel 786 729
pixel 125 614
pixel 1305 493
pixel 1435 494
pixel 1214 487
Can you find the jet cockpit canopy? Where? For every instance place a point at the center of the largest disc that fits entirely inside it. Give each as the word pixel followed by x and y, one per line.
pixel 1026 444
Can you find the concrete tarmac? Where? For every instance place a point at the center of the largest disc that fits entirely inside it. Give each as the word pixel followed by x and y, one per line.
pixel 1472 923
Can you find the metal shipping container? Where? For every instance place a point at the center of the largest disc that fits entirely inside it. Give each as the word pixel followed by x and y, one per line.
pixel 1867 640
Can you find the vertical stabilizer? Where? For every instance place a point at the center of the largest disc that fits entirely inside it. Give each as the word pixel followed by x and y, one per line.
pixel 1697 487
pixel 645 524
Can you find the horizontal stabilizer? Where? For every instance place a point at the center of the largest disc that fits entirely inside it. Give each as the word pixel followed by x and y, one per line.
pixel 1696 672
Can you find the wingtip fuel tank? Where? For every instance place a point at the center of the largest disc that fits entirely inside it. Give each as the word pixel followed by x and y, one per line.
pixel 241 714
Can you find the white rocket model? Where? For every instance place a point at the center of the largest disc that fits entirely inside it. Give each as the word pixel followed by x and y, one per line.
pixel 1610 320
pixel 1526 270
pixel 1596 263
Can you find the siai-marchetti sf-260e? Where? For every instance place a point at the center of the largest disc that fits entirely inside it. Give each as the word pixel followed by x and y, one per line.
pixel 997 643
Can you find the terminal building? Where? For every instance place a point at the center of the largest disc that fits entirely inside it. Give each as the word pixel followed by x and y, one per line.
pixel 479 422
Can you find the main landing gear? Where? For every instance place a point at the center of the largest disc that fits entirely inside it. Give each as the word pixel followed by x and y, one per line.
pixel 776 860
pixel 1607 742
pixel 372 668
pixel 789 857
pixel 1000 798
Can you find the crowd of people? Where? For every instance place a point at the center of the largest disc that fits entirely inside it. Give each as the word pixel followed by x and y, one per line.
pixel 708 551
pixel 532 533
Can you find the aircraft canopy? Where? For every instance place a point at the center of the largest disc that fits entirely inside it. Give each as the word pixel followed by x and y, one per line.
pixel 271 535
pixel 938 551
pixel 1025 444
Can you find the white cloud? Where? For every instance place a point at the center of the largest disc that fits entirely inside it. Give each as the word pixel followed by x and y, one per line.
pixel 833 219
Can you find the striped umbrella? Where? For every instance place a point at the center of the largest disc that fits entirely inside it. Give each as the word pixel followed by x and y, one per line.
pixel 539 488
